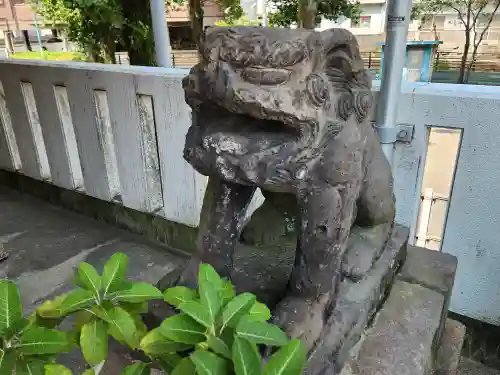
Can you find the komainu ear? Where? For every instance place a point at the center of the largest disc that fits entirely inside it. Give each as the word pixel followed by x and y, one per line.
pixel 341 52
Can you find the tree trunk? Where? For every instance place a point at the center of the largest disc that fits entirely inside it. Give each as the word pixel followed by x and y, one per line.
pixel 196 15
pixel 140 48
pixel 463 64
pixel 307 14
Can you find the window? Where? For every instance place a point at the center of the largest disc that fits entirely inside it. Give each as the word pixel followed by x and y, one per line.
pixel 363 22
pixel 17 2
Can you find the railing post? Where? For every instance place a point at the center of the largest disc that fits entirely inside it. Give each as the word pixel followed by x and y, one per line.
pixel 425 214
pixel 369 60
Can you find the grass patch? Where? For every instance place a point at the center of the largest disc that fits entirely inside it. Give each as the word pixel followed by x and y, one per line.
pixel 53 56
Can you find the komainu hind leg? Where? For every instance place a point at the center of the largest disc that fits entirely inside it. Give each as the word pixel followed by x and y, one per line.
pixel 374 220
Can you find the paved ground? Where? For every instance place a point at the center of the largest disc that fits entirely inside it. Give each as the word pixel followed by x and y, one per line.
pixel 46 244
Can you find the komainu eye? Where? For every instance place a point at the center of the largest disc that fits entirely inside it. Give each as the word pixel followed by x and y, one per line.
pixel 317 88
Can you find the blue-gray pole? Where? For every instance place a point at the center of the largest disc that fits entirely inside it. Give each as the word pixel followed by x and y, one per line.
pixel 38 35
pixel 160 32
pixel 398 21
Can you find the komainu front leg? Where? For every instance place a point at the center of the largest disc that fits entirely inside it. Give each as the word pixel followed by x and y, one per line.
pixel 222 214
pixel 326 218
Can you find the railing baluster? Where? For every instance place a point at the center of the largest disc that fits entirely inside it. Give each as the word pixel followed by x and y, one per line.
pixel 9 152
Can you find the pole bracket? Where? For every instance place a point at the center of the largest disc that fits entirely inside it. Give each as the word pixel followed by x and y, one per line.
pixel 400 133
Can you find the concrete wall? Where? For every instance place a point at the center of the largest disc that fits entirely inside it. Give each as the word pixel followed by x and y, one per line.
pixel 116 134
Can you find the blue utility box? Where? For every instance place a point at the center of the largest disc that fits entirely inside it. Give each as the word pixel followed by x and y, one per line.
pixel 419 58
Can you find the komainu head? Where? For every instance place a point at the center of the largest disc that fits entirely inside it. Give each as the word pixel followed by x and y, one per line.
pixel 266 99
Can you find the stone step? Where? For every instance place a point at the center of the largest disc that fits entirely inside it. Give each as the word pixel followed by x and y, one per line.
pixel 406 333
pixel 448 355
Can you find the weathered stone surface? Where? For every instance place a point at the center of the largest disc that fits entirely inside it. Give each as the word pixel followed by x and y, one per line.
pixel 401 339
pixel 469 367
pixel 450 347
pixel 356 305
pixel 432 269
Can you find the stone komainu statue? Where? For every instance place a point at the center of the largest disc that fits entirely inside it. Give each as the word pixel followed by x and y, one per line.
pixel 286 111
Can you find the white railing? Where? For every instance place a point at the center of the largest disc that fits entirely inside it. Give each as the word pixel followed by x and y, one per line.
pixel 117 133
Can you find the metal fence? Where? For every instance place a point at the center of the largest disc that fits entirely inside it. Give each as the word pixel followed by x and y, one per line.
pixel 443 60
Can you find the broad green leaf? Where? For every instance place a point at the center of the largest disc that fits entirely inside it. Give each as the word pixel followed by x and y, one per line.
pixel 261 333
pixel 76 300
pixel 52 308
pixel 89 371
pixel 235 309
pixel 154 344
pixel 38 340
pixel 259 312
pixel 139 368
pixel 35 319
pixel 198 312
pixel 10 307
pixel 207 363
pixel 209 284
pixel 30 367
pixel 227 292
pixel 179 294
pixel 114 273
pixel 219 346
pixel 121 326
pixel 7 362
pixel 55 369
pixel 288 360
pixel 185 367
pixel 94 341
pixel 182 328
pixel 140 328
pixel 81 318
pixel 138 292
pixel 135 308
pixel 89 278
pixel 207 274
pixel 246 358
pixel 169 361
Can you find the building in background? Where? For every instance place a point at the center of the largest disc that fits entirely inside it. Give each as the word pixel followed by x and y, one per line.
pixel 370 28
pixel 179 24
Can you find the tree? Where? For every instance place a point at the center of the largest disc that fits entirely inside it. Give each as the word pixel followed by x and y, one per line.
pixel 308 13
pixel 476 17
pixel 100 26
pixel 232 11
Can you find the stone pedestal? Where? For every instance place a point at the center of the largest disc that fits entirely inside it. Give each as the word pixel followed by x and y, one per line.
pixel 406 335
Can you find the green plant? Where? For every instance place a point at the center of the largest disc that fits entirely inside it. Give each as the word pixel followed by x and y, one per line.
pixel 216 332
pixel 103 306
pixel 26 346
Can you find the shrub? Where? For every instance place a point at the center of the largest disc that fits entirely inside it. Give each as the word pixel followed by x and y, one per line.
pixel 215 333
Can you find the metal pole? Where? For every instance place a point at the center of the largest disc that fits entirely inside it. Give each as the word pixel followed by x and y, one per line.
pixel 38 35
pixel 265 21
pixel 398 21
pixel 163 50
